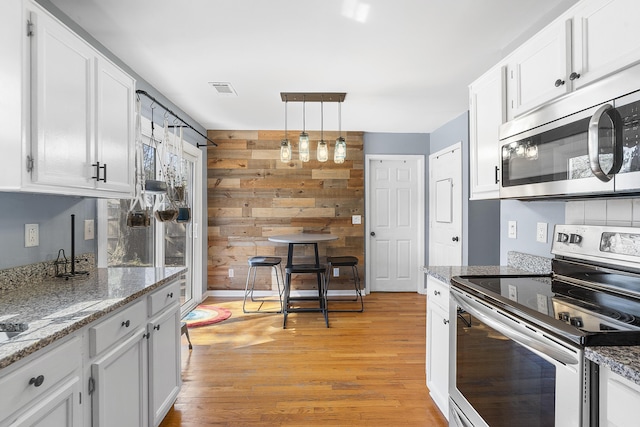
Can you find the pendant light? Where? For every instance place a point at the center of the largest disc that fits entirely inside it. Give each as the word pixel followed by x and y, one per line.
pixel 303 142
pixel 322 153
pixel 285 145
pixel 340 150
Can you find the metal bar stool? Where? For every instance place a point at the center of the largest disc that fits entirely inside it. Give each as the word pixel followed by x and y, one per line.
pixel 345 261
pixel 319 270
pixel 254 263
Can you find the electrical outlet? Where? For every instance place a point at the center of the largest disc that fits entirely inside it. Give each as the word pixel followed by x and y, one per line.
pixel 89 232
pixel 31 235
pixel 231 272
pixel 513 293
pixel 541 232
pixel 336 272
pixel 513 232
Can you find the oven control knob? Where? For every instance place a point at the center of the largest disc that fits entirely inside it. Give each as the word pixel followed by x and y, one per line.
pixel 577 322
pixel 575 238
pixel 564 316
pixel 563 238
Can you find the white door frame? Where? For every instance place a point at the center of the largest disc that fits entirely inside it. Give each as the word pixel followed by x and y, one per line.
pixel 369 158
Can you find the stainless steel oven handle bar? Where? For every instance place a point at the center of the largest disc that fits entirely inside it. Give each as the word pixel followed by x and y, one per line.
pixel 523 337
pixel 593 145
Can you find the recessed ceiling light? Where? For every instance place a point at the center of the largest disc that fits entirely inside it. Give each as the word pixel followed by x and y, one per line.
pixel 224 88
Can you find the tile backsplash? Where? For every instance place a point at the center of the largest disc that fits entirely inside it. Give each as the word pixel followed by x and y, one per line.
pixel 616 212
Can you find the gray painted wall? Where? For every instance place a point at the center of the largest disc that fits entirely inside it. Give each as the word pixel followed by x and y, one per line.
pixel 53 216
pixel 527 215
pixel 480 219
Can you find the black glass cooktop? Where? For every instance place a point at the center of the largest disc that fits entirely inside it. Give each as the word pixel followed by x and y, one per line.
pixel 584 314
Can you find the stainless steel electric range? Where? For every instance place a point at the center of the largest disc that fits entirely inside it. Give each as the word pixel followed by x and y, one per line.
pixel 517 351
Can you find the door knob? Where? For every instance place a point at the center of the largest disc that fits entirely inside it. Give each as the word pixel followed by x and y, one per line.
pixel 373 234
pixel 455 239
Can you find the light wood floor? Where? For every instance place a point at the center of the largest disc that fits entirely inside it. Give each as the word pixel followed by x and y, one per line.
pixel 366 369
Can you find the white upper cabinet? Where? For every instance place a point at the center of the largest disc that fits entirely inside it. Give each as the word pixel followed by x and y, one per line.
pixel 487 111
pixel 537 70
pixel 590 41
pixel 71 111
pixel 605 38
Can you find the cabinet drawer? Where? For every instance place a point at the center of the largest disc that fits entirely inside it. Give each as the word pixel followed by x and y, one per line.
pixel 37 377
pixel 164 297
pixel 438 293
pixel 116 327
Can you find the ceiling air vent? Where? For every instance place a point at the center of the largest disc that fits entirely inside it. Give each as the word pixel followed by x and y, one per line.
pixel 224 88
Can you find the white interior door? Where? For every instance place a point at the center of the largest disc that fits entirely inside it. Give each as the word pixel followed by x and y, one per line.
pixel 395 218
pixel 445 206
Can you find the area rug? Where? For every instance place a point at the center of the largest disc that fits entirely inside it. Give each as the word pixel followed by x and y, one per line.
pixel 206 315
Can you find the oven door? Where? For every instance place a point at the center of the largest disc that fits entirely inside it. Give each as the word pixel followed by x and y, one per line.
pixel 574 155
pixel 504 372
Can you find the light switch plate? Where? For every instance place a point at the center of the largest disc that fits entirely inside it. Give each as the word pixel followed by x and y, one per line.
pixel 513 233
pixel 89 231
pixel 356 219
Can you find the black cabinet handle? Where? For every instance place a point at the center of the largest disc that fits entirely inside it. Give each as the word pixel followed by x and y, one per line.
pixel 436 292
pixel 37 381
pixel 497 169
pixel 156 327
pixel 104 170
pixel 574 76
pixel 126 324
pixel 455 238
pixel 170 295
pixel 559 82
pixel 445 321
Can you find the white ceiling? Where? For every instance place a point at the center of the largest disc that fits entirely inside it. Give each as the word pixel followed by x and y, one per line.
pixel 405 64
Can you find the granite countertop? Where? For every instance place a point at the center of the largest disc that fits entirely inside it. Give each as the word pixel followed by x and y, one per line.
pixel 57 307
pixel 445 273
pixel 623 360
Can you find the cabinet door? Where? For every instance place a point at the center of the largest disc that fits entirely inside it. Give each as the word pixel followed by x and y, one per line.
pixel 537 71
pixel 62 104
pixel 487 111
pixel 59 408
pixel 164 362
pixel 438 356
pixel 605 37
pixel 619 400
pixel 120 380
pixel 114 128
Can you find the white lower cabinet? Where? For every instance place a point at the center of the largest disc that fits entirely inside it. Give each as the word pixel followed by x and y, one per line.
pixel 45 391
pixel 135 361
pixel 118 384
pixel 619 400
pixel 438 343
pixel 164 362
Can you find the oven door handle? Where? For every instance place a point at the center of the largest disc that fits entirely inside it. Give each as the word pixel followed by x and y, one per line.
pixel 523 337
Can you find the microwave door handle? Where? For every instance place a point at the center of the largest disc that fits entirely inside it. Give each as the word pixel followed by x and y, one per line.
pixel 530 340
pixel 593 144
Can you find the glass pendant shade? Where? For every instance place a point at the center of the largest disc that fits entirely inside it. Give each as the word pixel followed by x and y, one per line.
pixel 340 151
pixel 303 149
pixel 323 151
pixel 285 151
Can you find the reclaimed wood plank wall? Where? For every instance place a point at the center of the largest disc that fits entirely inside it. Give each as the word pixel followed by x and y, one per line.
pixel 253 195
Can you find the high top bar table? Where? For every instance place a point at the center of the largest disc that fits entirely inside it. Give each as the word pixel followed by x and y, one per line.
pixel 303 239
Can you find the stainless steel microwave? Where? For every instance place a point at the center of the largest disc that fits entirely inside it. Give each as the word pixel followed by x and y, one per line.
pixel 585 144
